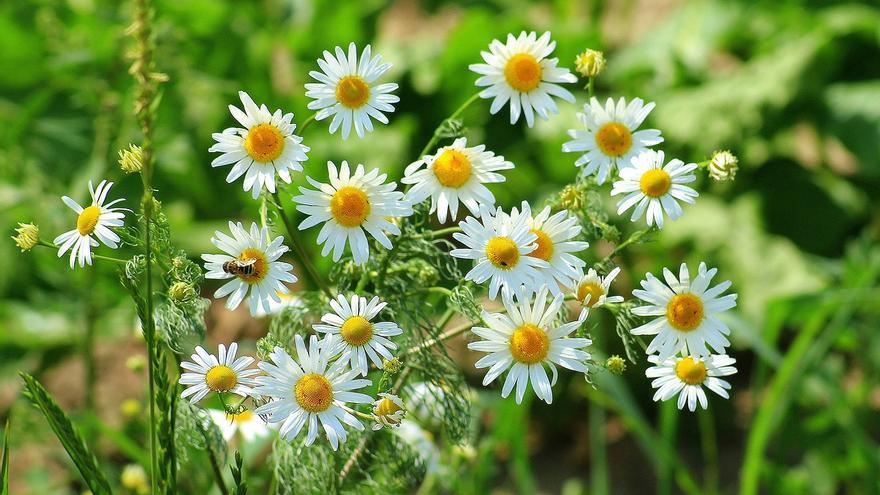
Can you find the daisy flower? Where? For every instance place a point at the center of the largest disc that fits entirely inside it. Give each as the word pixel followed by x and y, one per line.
pixel 350 205
pixel 522 341
pixel 285 300
pixel 251 261
pixel 94 220
pixel 455 173
pixel 221 373
pixel 500 246
pixel 592 290
pixel 265 146
pixel 347 91
pixel 518 71
pixel 388 411
pixel 686 376
pixel 609 138
pixel 249 425
pixel 555 245
pixel 687 312
pixel 305 392
pixel 360 338
pixel 653 187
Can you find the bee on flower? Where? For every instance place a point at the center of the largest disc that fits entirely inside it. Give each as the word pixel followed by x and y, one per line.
pixel 652 188
pixel 686 376
pixel 93 224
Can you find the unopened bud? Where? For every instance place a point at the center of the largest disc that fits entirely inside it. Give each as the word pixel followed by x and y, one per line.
pixel 391 366
pixel 590 63
pixel 181 291
pixel 723 165
pixel 27 236
pixel 615 364
pixel 131 159
pixel 388 410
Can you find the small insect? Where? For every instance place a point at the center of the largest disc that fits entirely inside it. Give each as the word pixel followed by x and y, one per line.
pixel 239 268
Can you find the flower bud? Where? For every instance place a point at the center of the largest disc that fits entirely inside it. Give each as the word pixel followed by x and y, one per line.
pixel 723 165
pixel 570 198
pixel 28 236
pixel 136 363
pixel 615 364
pixel 388 410
pixel 134 478
pixel 391 366
pixel 181 291
pixel 131 408
pixel 590 63
pixel 130 160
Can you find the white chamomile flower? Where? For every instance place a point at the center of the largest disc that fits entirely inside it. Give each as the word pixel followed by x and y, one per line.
pixel 347 90
pixel 251 261
pixel 249 425
pixel 685 376
pixel 388 411
pixel 518 71
pixel 305 392
pixel 265 146
pixel 455 173
pixel 525 339
pixel 285 300
pixel 687 313
pixel 360 338
pixel 349 205
pixel 221 373
pixel 592 290
pixel 94 220
pixel 500 246
pixel 610 138
pixel 653 187
pixel 555 245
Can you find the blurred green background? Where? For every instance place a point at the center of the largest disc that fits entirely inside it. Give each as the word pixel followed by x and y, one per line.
pixel 791 87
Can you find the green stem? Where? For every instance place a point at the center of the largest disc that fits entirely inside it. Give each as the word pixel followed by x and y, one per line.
pixel 94 256
pixel 590 87
pixel 436 136
pixel 441 232
pixel 306 123
pixel 301 252
pixel 709 445
pixel 598 455
pixel 668 428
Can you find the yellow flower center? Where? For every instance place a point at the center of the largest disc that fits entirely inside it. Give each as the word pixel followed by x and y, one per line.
pixel 352 91
pixel 313 393
pixel 544 250
pixel 264 143
pixel 243 417
pixel 350 206
pixel 614 139
pixel 691 371
pixel 593 290
pixel 684 312
pixel 88 220
pixel 387 407
pixel 221 378
pixel 357 331
pixel 502 252
pixel 256 272
pixel 529 344
pixel 523 72
pixel 452 168
pixel 655 182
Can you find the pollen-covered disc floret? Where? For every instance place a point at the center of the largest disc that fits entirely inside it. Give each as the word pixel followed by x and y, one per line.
pixel 526 339
pixel 304 392
pixel 610 137
pixel 93 223
pixel 388 411
pixel 248 425
pixel 347 90
pixel 592 290
pixel 555 242
pixel 263 147
pixel 252 263
pixel 359 337
pixel 653 188
pixel 223 373
pixel 519 71
pixel 500 246
pixel 686 376
pixel 455 173
pixel 349 205
pixel 687 313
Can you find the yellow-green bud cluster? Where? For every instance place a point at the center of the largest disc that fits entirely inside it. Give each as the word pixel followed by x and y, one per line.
pixel 392 366
pixel 723 165
pixel 131 159
pixel 590 63
pixel 181 291
pixel 615 364
pixel 27 236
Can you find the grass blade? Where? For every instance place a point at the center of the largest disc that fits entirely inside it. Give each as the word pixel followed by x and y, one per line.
pixel 4 464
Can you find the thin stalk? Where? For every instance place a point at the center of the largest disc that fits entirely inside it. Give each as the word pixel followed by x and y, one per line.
pixel 668 429
pixel 306 123
pixel 590 87
pixel 89 344
pixel 598 455
pixel 436 136
pixel 218 474
pixel 301 252
pixel 709 445
pixel 441 232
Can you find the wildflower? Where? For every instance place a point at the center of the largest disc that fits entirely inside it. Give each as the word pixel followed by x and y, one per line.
pixel 685 377
pixel 610 138
pixel 687 313
pixel 265 146
pixel 286 300
pixel 388 411
pixel 652 187
pixel 723 165
pixel 131 159
pixel 346 90
pixel 134 478
pixel 571 197
pixel 615 364
pixel 525 339
pixel 590 63
pixel 251 261
pixel 130 408
pixel 27 236
pixel 222 373
pixel 181 291
pixel 499 245
pixel 94 220
pixel 392 366
pixel 350 205
pixel 592 290
pixel 306 392
pixel 360 337
pixel 249 425
pixel 455 173
pixel 518 71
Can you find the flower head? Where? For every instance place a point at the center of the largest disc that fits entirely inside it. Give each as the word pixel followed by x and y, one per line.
pixel 134 478
pixel 247 424
pixel 686 376
pixel 723 165
pixel 589 63
pixel 223 373
pixel 615 364
pixel 654 188
pixel 93 221
pixel 592 290
pixel 27 236
pixel 131 159
pixel 388 411
pixel 519 71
